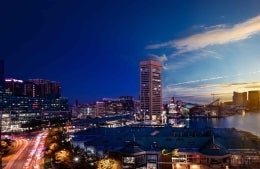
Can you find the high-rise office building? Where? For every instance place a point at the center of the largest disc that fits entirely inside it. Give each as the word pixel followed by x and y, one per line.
pixel 254 100
pixel 42 88
pixel 240 99
pixel 151 88
pixel 33 88
pixel 29 89
pixel 14 86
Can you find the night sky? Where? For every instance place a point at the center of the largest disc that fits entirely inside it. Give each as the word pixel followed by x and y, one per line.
pixel 93 48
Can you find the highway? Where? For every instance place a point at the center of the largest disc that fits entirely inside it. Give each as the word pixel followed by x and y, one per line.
pixel 26 153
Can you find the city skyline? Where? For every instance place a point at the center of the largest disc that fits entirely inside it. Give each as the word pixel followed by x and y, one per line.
pixel 208 48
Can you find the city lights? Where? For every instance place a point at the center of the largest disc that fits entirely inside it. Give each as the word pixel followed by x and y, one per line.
pixel 130 84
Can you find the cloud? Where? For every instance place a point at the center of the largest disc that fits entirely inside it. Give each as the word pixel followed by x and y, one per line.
pixel 175 64
pixel 200 90
pixel 217 78
pixel 217 35
pixel 203 93
pixel 162 58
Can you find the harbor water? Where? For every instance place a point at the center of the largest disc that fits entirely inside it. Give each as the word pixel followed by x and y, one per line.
pixel 246 121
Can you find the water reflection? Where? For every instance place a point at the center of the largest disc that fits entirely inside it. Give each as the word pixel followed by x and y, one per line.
pixel 246 121
pixel 243 113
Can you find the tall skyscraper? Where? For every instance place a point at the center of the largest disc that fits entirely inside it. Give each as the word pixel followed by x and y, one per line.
pixel 240 99
pixel 254 100
pixel 151 87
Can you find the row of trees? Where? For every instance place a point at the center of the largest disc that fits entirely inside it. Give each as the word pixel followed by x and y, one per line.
pixel 85 159
pixel 58 151
pixel 60 154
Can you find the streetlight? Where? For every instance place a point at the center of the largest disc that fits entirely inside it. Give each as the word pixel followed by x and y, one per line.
pixel 76 159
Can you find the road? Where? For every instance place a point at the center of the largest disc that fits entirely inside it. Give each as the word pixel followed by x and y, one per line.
pixel 26 153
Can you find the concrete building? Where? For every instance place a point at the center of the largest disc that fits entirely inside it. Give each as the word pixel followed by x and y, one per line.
pixel 25 102
pixel 254 100
pixel 33 88
pixel 29 89
pixel 19 110
pixel 151 88
pixel 100 109
pixel 42 88
pixel 14 86
pixel 240 99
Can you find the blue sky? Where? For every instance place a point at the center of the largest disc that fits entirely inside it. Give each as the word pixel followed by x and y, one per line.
pixel 94 47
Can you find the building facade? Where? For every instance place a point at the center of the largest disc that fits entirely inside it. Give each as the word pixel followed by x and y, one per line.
pixel 150 88
pixel 27 102
pixel 43 88
pixel 19 110
pixel 33 88
pixel 14 86
pixel 254 100
pixel 32 100
pixel 240 99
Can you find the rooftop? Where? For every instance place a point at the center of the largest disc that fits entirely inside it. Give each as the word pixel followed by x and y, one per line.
pixel 159 138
